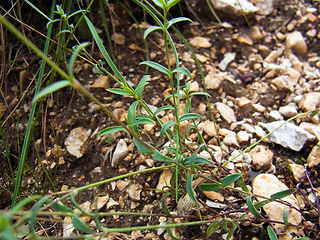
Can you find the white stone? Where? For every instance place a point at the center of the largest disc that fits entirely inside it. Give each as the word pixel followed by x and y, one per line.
pixel 297 171
pixel 119 153
pixel 194 87
pixel 289 110
pixel 228 58
pixel 242 101
pixel 234 7
pixel 76 141
pixel 283 83
pixel 231 139
pixel 289 135
pixel 265 7
pixel 226 112
pixel 314 129
pixel 248 128
pixel 213 80
pixel 134 191
pixel 310 101
pixel 258 107
pixel 268 184
pixel 295 41
pixel 208 128
pixel 275 115
pixel 235 157
pixel 242 136
pixel 261 157
pixel 200 42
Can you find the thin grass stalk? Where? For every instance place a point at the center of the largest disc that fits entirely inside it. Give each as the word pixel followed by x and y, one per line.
pixel 32 112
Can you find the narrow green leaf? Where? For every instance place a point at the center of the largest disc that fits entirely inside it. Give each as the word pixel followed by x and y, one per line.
pixel 171 3
pixel 213 227
pixel 189 116
pixel 35 210
pixel 156 66
pixel 178 19
pixel 150 30
pixel 78 224
pixel 272 235
pixel 208 187
pixel 252 208
pixel 231 231
pixel 158 156
pixel 119 91
pixel 194 159
pixel 313 113
pixel 143 82
pixel 230 179
pixel 285 216
pixel 60 207
pixel 243 185
pixel 170 233
pixel 165 127
pixel 142 121
pixel 164 204
pixel 50 89
pixel 75 13
pixel 187 131
pixel 190 190
pixel 200 93
pixel 159 3
pixel 74 57
pixel 163 108
pixel 110 130
pixel 258 205
pixel 282 194
pixel 182 70
pixel 103 50
pixel 302 238
pixel 141 148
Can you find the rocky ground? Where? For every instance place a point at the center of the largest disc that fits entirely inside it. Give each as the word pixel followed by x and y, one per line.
pixel 258 77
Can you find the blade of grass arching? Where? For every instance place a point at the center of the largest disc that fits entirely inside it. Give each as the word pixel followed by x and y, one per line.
pixel 212 11
pixel 103 50
pixel 24 151
pixel 146 46
pixel 102 5
pixel 38 10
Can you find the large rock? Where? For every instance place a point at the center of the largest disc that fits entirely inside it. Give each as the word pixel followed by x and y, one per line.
pixel 289 135
pixel 268 184
pixel 235 8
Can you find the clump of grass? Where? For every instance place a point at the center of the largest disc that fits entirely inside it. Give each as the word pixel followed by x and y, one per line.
pixel 182 160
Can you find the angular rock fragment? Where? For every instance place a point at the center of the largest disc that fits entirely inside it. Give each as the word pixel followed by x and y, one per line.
pixel 226 112
pixel 76 141
pixel 289 135
pixel 119 153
